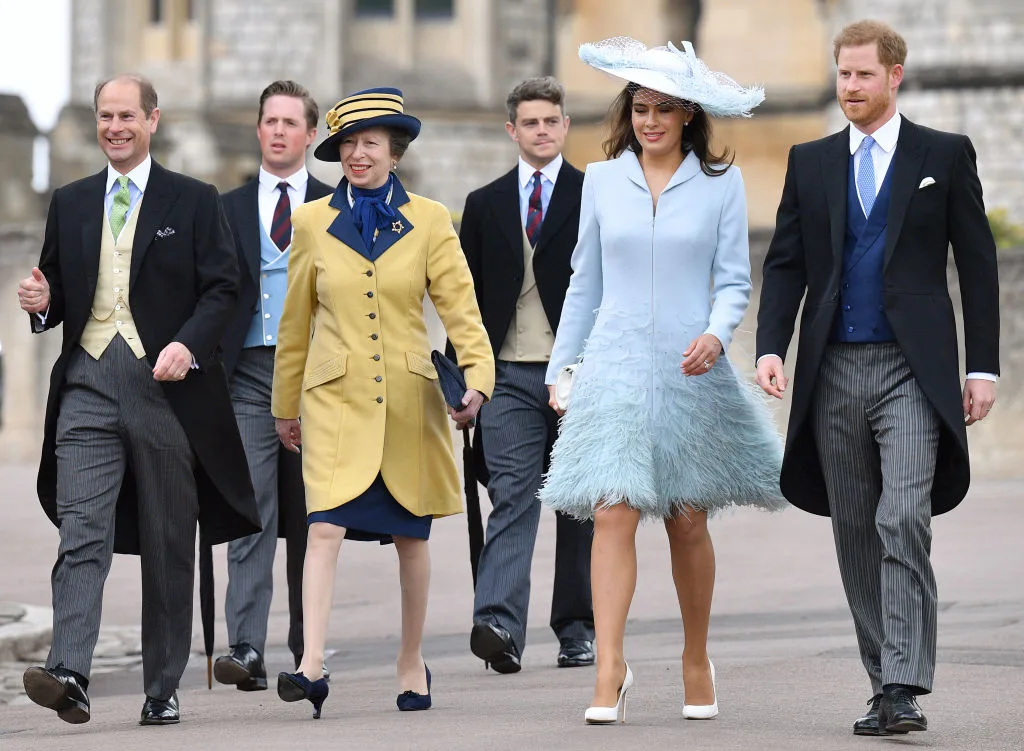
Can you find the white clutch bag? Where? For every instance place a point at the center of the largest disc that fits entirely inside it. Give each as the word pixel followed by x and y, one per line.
pixel 563 385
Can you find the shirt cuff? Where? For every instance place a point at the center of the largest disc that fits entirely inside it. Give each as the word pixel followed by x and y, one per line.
pixel 764 356
pixel 982 377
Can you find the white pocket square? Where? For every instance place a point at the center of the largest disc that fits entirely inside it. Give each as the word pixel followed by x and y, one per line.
pixel 926 182
pixel 168 231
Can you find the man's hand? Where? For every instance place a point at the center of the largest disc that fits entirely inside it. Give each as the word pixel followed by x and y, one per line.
pixel 290 433
pixel 173 363
pixel 771 376
pixel 471 404
pixel 34 292
pixel 979 396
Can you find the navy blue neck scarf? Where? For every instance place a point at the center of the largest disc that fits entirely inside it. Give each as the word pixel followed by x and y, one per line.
pixel 371 211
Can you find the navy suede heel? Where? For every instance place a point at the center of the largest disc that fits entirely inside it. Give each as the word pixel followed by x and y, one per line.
pixel 410 701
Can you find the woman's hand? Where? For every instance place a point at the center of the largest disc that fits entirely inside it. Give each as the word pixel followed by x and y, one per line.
pixel 701 355
pixel 471 404
pixel 290 433
pixel 552 402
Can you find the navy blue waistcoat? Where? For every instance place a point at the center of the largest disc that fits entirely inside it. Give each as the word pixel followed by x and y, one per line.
pixel 861 315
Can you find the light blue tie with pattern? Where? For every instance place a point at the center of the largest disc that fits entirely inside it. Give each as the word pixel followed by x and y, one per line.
pixel 866 175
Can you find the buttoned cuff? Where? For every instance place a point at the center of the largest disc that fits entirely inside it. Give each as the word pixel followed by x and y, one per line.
pixel 982 377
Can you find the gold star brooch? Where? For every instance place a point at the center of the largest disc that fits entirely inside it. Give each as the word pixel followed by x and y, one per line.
pixel 397 227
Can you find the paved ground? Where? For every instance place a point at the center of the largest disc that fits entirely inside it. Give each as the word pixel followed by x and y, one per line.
pixel 782 641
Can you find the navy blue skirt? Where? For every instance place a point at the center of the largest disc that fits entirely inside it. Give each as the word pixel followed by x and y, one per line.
pixel 375 516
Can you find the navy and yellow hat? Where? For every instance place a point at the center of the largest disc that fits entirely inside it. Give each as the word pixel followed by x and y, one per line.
pixel 369 108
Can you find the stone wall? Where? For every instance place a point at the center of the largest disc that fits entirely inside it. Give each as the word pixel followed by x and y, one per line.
pixel 18 202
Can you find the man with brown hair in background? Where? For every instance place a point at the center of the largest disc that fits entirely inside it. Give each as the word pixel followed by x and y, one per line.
pixel 259 214
pixel 518 234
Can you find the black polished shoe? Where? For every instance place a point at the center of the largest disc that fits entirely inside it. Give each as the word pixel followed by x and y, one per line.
pixel 59 689
pixel 899 712
pixel 868 724
pixel 575 653
pixel 160 711
pixel 494 645
pixel 242 668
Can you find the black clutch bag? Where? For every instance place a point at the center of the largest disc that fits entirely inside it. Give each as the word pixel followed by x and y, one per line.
pixel 453 383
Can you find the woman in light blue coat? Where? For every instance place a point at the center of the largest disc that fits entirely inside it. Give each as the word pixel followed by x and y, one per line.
pixel 658 426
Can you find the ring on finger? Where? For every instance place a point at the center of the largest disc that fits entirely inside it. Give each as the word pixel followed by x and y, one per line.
pixel 707 365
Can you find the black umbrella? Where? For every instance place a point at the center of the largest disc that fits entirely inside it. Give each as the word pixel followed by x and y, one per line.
pixel 206 604
pixel 476 529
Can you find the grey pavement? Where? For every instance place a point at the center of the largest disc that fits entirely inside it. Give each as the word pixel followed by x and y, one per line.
pixel 781 637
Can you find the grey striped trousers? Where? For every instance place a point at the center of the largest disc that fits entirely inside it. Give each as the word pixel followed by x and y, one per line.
pixel 518 430
pixel 877 436
pixel 113 416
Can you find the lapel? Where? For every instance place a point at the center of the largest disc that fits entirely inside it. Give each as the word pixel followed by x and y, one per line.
pixel 343 227
pixel 835 173
pixel 905 168
pixel 565 199
pixel 316 190
pixel 157 201
pixel 91 208
pixel 686 171
pixel 508 216
pixel 250 230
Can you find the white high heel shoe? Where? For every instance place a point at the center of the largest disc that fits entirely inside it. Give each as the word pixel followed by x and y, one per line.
pixel 703 711
pixel 611 715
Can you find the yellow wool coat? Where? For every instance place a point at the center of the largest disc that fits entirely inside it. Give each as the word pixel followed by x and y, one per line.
pixel 353 357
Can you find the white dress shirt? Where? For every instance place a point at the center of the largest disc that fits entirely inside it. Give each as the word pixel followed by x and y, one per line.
pixel 268 194
pixel 549 173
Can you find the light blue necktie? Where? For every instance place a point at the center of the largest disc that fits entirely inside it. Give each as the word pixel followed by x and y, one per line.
pixel 866 175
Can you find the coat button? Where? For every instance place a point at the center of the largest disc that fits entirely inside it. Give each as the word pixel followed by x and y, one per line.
pixel 378 379
pixel 374 337
pixel 380 400
pixel 376 358
pixel 849 329
pixel 369 273
pixel 369 294
pixel 372 316
pixel 846 307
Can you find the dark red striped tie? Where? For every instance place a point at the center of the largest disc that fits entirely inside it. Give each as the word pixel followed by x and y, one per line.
pixel 535 212
pixel 281 226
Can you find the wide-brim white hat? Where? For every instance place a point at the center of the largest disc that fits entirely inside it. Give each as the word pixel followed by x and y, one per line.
pixel 677 73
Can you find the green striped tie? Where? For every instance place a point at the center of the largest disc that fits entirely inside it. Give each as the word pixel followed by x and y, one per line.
pixel 119 211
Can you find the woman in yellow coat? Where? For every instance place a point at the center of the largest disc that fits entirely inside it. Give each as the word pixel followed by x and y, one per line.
pixel 353 381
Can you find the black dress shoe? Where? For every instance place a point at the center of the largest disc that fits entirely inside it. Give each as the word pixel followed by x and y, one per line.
pixel 575 653
pixel 160 711
pixel 61 690
pixel 899 712
pixel 868 724
pixel 242 668
pixel 494 645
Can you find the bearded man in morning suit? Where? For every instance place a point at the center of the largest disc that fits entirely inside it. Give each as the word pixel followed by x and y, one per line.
pixel 877 436
pixel 140 441
pixel 518 234
pixel 259 214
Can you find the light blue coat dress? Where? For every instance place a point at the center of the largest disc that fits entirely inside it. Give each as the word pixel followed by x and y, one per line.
pixel 644 285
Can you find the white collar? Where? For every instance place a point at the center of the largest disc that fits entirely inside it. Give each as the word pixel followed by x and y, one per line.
pixel 886 136
pixel 138 176
pixel 549 170
pixel 296 181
